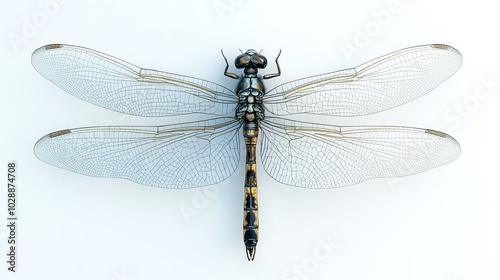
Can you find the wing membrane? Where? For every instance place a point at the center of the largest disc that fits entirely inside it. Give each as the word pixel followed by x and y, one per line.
pixel 115 84
pixel 326 156
pixel 172 156
pixel 378 85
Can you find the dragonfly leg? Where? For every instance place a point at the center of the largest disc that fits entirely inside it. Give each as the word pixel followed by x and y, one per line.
pixel 230 75
pixel 269 76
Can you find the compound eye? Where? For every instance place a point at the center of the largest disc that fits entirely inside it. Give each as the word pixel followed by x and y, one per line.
pixel 242 61
pixel 259 60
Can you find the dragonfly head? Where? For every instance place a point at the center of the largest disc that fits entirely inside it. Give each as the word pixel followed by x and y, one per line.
pixel 251 60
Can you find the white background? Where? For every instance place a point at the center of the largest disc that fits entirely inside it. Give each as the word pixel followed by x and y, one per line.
pixel 442 224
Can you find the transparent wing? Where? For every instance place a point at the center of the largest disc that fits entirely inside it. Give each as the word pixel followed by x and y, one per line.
pixel 115 84
pixel 378 85
pixel 172 156
pixel 325 156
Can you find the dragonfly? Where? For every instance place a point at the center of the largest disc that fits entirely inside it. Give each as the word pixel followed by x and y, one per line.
pixel 313 155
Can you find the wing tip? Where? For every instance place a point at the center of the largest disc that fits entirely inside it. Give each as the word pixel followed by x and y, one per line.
pixel 58 133
pixel 455 56
pixel 41 50
pixel 53 46
pixel 440 46
pixel 47 137
pixel 445 48
pixel 458 150
pixel 436 133
pixel 48 47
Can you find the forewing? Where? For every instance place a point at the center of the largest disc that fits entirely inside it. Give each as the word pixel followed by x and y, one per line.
pixel 326 156
pixel 172 156
pixel 115 84
pixel 378 85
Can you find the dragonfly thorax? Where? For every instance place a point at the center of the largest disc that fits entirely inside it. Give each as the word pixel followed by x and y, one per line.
pixel 250 91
